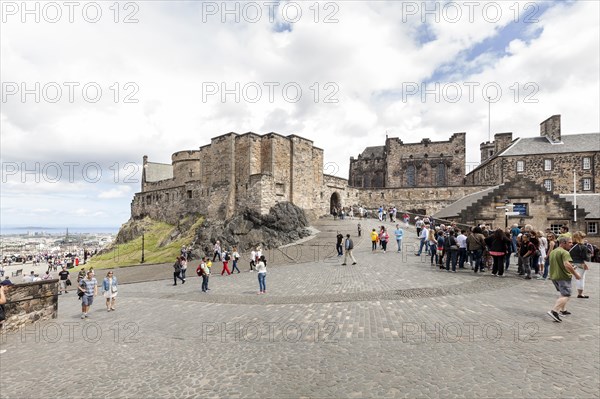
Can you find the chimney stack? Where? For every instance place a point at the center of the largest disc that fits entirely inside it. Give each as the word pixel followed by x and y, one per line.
pixel 550 128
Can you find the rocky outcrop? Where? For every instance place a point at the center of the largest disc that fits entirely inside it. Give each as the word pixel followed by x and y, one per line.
pixel 285 223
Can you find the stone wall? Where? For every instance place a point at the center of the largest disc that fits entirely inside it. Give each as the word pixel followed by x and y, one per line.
pixel 30 302
pixel 423 200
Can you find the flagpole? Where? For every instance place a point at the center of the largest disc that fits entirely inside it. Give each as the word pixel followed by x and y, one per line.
pixel 575 195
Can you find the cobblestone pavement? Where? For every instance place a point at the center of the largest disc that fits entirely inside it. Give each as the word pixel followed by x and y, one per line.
pixel 390 326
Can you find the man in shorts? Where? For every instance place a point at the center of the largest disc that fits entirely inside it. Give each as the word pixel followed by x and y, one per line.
pixel 89 287
pixel 63 276
pixel 561 273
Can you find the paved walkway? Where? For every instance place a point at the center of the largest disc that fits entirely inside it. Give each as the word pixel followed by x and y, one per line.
pixel 390 326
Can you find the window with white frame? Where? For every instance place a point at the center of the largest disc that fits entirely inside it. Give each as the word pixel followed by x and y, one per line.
pixel 587 184
pixel 520 166
pixel 555 228
pixel 547 164
pixel 548 184
pixel 592 227
pixel 587 163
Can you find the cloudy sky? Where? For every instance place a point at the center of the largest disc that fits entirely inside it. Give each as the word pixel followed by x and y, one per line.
pixel 89 88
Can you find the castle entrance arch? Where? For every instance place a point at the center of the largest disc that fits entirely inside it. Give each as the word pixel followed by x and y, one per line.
pixel 335 202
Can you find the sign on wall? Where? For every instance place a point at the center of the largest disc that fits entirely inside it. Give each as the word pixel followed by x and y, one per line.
pixel 520 209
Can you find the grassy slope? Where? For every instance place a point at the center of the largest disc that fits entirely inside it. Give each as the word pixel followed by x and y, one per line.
pixel 130 253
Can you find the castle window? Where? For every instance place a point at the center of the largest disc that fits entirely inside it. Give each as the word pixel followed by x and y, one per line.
pixel 191 172
pixel 587 184
pixel 410 176
pixel 547 165
pixel 520 166
pixel 491 153
pixel 279 189
pixel 548 184
pixel 592 227
pixel 441 174
pixel 189 194
pixel 587 163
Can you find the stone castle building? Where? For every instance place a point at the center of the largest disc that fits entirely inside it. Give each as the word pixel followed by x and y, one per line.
pixel 399 165
pixel 237 171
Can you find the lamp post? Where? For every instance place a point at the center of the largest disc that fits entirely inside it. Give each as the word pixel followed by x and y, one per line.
pixel 143 239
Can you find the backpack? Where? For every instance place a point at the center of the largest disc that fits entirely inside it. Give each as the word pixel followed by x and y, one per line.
pixel 227 257
pixel 199 271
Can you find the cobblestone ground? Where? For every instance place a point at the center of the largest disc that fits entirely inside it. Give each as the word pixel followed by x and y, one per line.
pixel 390 326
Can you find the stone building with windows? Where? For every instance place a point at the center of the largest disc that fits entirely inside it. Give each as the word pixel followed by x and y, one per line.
pixel 408 165
pixel 560 163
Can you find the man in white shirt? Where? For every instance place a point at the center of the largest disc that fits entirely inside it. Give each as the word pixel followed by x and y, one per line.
pixel 252 260
pixel 423 238
pixel 461 240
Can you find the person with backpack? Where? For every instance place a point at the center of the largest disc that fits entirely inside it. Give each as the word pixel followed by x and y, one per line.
pixel 580 254
pixel 203 271
pixel 236 257
pixel 349 245
pixel 226 258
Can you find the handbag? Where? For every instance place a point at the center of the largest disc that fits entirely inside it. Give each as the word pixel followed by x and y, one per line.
pixel 113 288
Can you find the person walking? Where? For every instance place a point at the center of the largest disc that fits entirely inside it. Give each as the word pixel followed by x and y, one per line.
pixel 338 243
pixel 399 234
pixel 261 268
pixel 203 271
pixel 235 257
pixel 423 234
pixel 226 258
pixel 177 271
pixel 498 246
pixel 384 238
pixel 183 261
pixel 63 276
pixel 580 255
pixel 217 251
pixel 110 287
pixel 561 273
pixel 89 288
pixel 551 246
pixel 252 260
pixel 349 245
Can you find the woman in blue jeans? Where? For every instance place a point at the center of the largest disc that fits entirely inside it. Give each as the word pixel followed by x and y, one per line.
pixel 261 268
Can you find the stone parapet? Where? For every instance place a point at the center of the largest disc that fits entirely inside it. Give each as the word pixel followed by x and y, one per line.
pixel 30 302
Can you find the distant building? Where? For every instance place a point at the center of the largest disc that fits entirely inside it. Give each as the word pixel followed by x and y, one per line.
pixel 548 160
pixel 399 165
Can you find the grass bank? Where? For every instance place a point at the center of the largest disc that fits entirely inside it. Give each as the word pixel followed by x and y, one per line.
pixel 130 253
